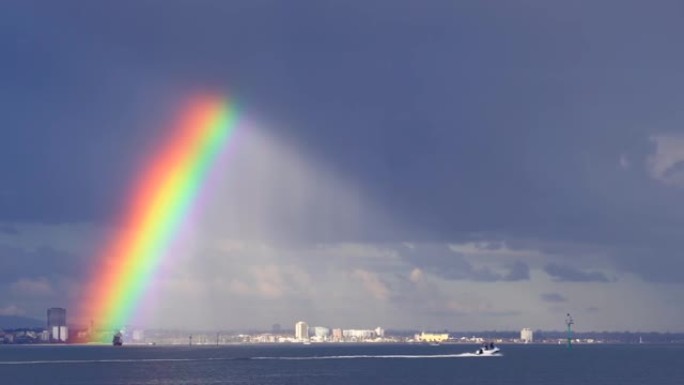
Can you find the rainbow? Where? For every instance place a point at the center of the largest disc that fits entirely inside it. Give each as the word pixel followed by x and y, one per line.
pixel 160 200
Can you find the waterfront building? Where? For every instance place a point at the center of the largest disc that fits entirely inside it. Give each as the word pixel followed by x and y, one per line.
pixel 302 331
pixel 56 324
pixel 320 332
pixel 526 335
pixel 357 334
pixel 432 337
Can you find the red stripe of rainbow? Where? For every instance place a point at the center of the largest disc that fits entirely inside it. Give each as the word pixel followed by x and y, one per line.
pixel 161 199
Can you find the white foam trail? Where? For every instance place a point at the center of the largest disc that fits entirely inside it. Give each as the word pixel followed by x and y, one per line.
pixel 461 355
pixel 291 358
pixel 97 361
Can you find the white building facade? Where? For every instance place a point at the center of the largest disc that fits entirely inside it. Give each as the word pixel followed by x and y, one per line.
pixel 302 331
pixel 526 335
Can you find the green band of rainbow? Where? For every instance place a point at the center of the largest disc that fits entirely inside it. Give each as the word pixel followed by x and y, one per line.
pixel 161 200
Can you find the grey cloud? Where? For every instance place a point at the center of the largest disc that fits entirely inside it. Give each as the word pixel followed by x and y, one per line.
pixel 39 278
pixel 648 255
pixel 562 273
pixel 439 260
pixel 654 262
pixel 9 230
pixel 675 171
pixel 40 262
pixel 518 271
pixel 441 312
pixel 510 313
pixel 553 298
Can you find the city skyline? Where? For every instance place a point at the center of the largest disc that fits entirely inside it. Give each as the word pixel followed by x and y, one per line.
pixel 452 165
pixel 302 333
pixel 59 332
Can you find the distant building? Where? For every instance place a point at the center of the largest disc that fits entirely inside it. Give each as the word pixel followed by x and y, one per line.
pixel 301 331
pixel 56 324
pixel 432 337
pixel 379 332
pixel 337 334
pixel 357 334
pixel 526 335
pixel 321 332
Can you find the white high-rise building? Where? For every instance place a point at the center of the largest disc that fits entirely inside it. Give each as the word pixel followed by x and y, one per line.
pixel 302 331
pixel 59 334
pixel 526 335
pixel 56 324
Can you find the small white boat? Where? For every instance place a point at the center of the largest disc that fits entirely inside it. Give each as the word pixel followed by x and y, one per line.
pixel 488 350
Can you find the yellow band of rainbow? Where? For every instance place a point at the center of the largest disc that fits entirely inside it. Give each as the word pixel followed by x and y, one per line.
pixel 160 200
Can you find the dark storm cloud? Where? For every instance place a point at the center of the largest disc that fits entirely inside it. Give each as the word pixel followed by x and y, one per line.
pixel 553 298
pixel 43 261
pixel 439 260
pixel 562 273
pixel 657 262
pixel 458 117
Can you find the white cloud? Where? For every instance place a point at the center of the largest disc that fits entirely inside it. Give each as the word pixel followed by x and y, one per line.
pixel 273 281
pixel 372 283
pixel 416 275
pixel 667 163
pixel 490 248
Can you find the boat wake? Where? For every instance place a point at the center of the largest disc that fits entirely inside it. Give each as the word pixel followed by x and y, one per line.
pixel 46 362
pixel 122 360
pixel 109 361
pixel 290 358
pixel 368 356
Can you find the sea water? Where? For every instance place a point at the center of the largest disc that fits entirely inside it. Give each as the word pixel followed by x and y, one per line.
pixel 342 364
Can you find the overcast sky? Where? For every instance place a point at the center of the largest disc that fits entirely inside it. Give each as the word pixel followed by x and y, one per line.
pixel 407 164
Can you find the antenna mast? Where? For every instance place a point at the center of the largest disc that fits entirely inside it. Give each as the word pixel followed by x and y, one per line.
pixel 569 322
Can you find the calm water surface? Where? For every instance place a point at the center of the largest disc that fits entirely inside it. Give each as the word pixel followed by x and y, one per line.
pixel 341 364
